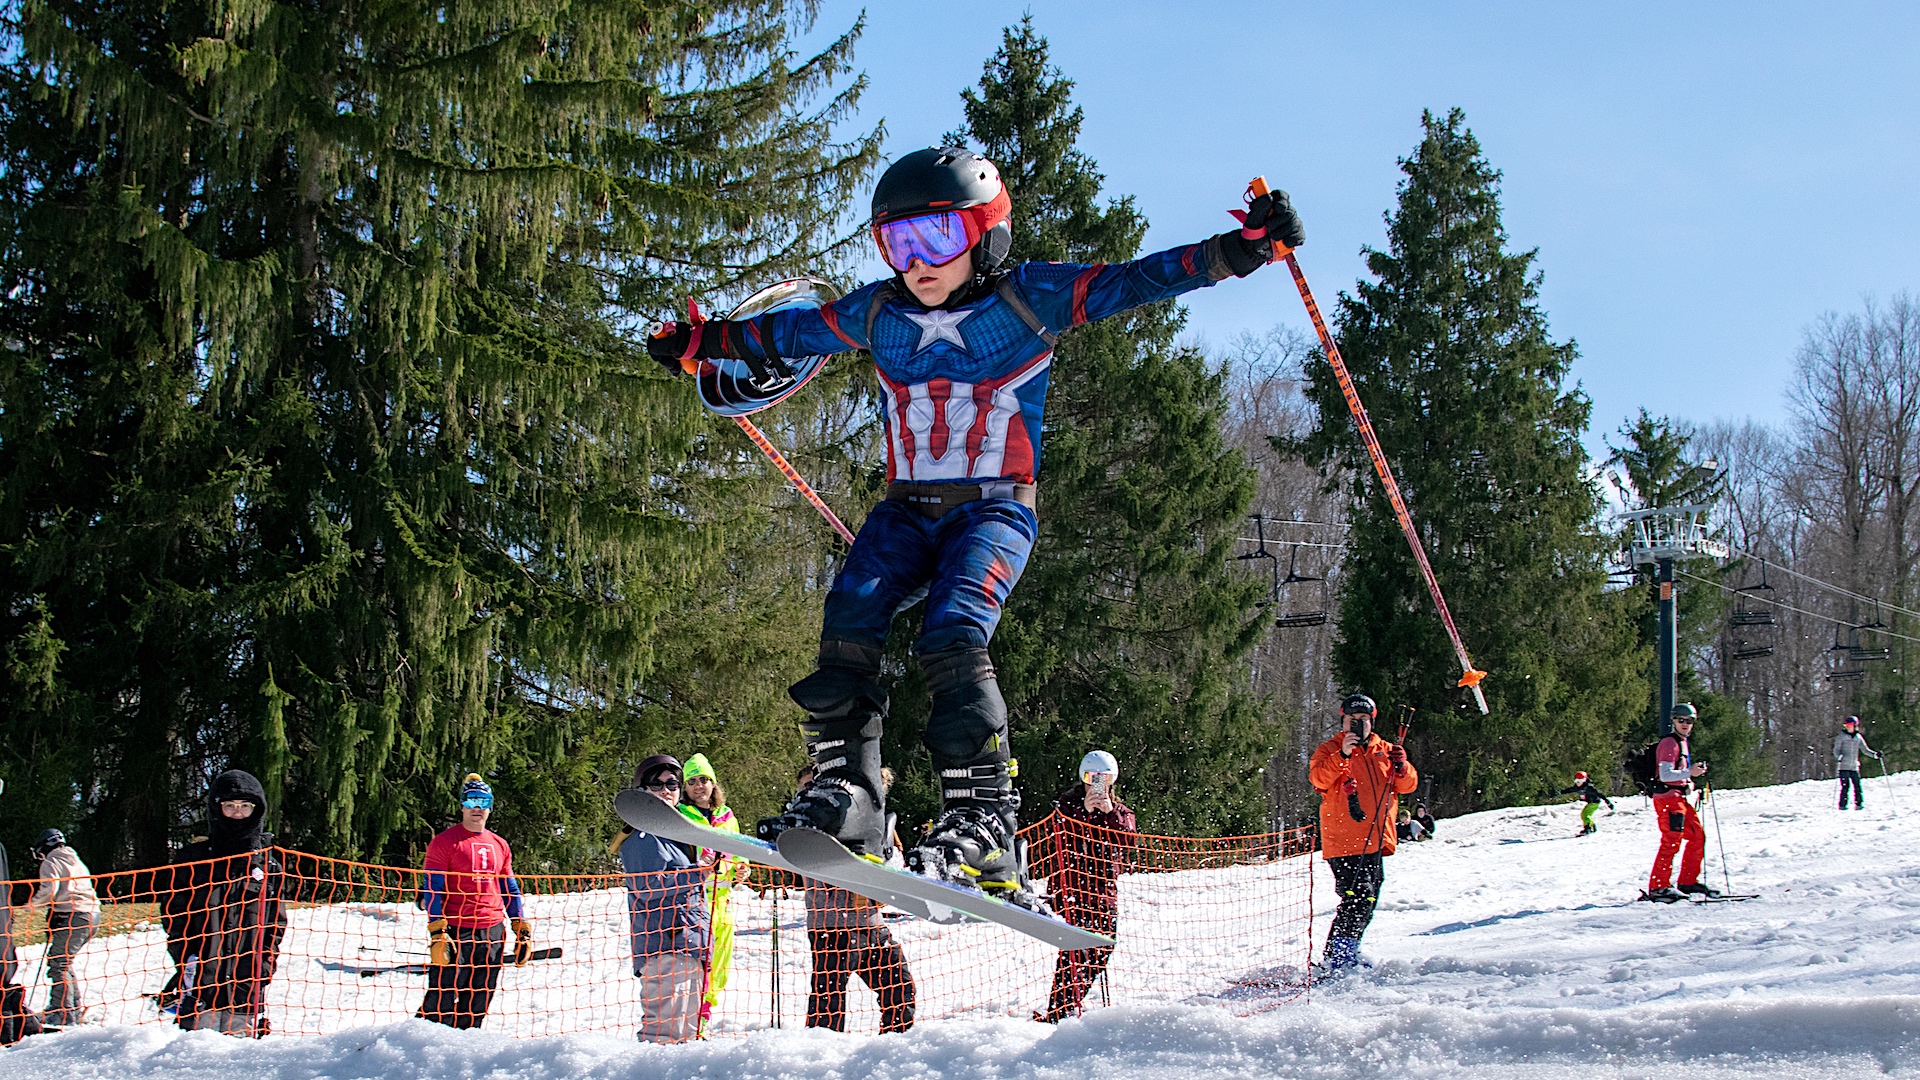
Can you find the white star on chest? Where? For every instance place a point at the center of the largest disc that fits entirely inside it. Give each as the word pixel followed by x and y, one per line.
pixel 938 326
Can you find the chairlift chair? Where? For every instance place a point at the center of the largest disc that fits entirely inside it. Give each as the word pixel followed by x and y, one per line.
pixel 1294 620
pixel 1745 615
pixel 1260 529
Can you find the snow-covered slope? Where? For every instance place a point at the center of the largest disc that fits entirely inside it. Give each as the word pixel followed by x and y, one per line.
pixel 1506 948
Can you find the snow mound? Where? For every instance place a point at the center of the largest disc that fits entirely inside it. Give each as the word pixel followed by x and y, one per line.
pixel 1506 948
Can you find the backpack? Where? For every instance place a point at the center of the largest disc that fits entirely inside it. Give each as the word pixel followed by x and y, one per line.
pixel 1644 771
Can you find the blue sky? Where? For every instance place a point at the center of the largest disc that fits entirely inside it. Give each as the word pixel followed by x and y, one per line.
pixel 1701 180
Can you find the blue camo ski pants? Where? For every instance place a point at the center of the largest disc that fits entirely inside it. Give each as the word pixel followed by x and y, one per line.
pixel 964 563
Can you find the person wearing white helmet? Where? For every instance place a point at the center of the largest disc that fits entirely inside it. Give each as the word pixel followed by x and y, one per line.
pixel 1092 833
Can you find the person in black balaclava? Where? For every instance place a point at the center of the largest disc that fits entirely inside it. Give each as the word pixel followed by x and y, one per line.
pixel 223 934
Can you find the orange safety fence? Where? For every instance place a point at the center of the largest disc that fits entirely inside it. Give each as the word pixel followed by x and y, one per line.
pixel 1223 921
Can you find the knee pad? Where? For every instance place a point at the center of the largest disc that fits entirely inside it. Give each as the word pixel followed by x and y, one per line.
pixel 967 723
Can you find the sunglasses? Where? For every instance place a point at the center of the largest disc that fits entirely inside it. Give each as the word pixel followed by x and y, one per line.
pixel 667 783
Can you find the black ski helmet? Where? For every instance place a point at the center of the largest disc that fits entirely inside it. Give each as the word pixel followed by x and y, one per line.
pixel 1685 711
pixel 949 178
pixel 1851 721
pixel 1359 705
pixel 50 841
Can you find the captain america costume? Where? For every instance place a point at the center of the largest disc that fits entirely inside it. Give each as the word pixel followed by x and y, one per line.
pixel 964 396
pixel 964 355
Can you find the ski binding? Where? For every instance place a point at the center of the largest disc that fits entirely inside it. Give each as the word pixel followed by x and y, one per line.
pixel 819 855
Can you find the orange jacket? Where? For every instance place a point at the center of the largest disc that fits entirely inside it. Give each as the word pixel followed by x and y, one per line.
pixel 1380 793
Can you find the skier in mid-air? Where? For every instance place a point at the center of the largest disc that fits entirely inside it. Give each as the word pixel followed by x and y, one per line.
pixel 1592 797
pixel 963 349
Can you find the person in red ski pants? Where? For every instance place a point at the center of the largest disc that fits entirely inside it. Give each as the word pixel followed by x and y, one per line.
pixel 1680 831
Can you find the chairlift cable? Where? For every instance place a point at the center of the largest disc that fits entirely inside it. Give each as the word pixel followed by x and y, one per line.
pixel 1789 607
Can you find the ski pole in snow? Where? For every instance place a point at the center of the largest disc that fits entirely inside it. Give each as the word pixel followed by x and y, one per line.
pixel 1718 836
pixel 1895 803
pixel 1471 676
pixel 776 957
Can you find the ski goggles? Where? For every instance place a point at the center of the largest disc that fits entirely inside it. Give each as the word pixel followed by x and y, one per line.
pixel 477 802
pixel 935 239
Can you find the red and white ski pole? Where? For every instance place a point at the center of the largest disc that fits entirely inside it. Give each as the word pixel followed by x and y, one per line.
pixel 1471 676
pixel 690 364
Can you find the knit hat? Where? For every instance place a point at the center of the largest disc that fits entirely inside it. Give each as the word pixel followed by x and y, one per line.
pixel 697 767
pixel 474 790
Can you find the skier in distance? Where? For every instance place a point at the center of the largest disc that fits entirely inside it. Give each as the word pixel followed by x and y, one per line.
pixel 963 346
pixel 1591 797
pixel 1847 748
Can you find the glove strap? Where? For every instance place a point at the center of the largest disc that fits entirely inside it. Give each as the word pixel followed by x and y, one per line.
pixel 697 321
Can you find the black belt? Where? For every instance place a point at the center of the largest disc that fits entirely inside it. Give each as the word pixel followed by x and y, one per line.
pixel 934 500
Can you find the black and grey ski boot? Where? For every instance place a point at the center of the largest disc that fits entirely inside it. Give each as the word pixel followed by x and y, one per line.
pixel 974 841
pixel 846 709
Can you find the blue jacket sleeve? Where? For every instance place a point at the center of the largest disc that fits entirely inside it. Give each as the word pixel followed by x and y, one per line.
pixel 510 896
pixel 1066 295
pixel 836 328
pixel 436 894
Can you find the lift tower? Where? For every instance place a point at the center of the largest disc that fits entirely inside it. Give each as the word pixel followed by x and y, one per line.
pixel 1659 537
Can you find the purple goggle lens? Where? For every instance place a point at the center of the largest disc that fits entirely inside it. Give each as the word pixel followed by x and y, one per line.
pixel 935 239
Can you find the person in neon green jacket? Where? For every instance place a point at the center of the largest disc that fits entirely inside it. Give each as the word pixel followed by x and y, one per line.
pixel 705 803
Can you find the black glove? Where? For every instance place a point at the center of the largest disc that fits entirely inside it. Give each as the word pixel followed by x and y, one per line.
pixel 1272 216
pixel 669 343
pixel 1275 212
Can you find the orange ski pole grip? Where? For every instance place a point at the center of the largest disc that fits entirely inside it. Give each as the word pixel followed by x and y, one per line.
pixel 1471 676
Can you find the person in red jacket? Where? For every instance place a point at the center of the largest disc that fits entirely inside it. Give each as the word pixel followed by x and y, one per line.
pixel 470 893
pixel 1093 831
pixel 1679 826
pixel 1360 778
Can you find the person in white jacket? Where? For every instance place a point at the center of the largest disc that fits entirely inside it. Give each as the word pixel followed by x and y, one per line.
pixel 73 914
pixel 1847 748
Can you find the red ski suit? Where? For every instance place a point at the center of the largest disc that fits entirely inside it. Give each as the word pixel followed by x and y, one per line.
pixel 1679 825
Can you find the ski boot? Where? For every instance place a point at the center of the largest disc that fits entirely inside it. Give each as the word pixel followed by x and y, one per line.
pixel 1664 896
pixel 975 841
pixel 1697 889
pixel 1341 955
pixel 846 708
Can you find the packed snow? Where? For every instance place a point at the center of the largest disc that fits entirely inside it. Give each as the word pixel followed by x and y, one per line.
pixel 1507 947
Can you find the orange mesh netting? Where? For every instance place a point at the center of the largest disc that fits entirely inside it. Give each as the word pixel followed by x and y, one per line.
pixel 1224 921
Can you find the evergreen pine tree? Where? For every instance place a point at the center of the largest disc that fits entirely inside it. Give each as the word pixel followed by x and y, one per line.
pixel 1123 630
pixel 1450 352
pixel 328 448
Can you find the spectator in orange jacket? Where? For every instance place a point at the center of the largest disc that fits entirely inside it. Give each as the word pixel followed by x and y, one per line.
pixel 1360 778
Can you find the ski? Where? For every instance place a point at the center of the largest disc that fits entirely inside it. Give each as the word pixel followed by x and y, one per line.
pixel 420 968
pixel 818 855
pixel 648 814
pixel 1723 898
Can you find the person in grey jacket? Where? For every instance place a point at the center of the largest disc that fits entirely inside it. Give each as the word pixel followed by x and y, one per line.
pixel 73 913
pixel 1847 748
pixel 671 923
